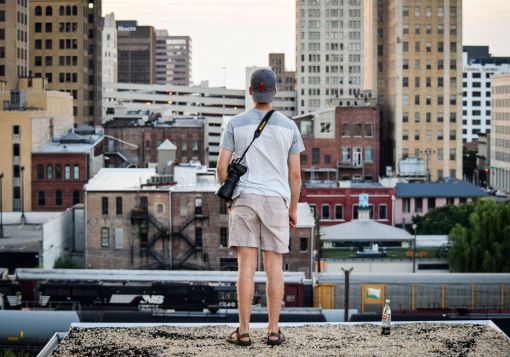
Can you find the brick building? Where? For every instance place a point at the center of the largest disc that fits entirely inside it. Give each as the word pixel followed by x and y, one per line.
pixel 335 205
pixel 140 222
pixel 61 168
pixel 136 139
pixel 340 144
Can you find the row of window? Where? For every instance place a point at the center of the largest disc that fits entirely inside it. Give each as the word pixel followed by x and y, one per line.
pixel 428 117
pixel 57 174
pixel 428 11
pixel 428 100
pixel 440 135
pixel 428 64
pixel 428 46
pixel 338 213
pixel 428 29
pixel 428 81
pixel 62 10
pixel 431 203
pixel 58 198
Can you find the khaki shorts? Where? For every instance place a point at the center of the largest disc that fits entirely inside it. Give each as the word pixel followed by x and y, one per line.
pixel 256 220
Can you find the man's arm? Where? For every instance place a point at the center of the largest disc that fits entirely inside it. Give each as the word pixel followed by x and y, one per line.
pixel 295 186
pixel 222 165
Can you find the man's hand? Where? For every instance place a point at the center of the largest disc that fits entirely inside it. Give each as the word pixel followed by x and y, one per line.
pixel 292 218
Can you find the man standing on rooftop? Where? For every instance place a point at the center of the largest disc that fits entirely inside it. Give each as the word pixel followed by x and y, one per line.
pixel 264 201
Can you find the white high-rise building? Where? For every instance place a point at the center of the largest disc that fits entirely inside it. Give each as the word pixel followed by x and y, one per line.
pixel 163 71
pixel 478 68
pixel 329 51
pixel 109 52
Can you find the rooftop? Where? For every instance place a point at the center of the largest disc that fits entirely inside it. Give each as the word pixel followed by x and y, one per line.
pixel 119 180
pixel 364 230
pixel 478 338
pixel 439 189
pixel 72 142
pixel 21 239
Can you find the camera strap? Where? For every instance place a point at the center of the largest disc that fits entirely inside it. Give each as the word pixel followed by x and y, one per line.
pixel 258 131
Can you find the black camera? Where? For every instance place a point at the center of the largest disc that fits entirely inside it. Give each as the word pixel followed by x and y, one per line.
pixel 235 171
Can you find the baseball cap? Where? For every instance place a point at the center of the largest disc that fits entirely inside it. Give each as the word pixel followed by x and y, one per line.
pixel 263 85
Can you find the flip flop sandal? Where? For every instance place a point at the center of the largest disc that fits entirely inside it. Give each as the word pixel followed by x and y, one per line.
pixel 235 338
pixel 275 342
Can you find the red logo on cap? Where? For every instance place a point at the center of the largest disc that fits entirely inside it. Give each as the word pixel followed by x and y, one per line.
pixel 262 87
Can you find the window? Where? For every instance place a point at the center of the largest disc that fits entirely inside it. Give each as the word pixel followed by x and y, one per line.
pixel 325 212
pixel 58 198
pixel 316 154
pixel 303 244
pixel 418 204
pixel 38 27
pixel 41 199
pixel 49 172
pixel 76 197
pixel 368 130
pixel 339 212
pixel 67 172
pixel 345 129
pixel 357 129
pixel 15 150
pixel 383 211
pixel 38 11
pixel 325 127
pixel 49 27
pixel 198 237
pixel 406 205
pixel 104 206
pixel 58 171
pixel 118 206
pixel 346 156
pixel 105 237
pixel 49 11
pixel 40 172
pixel 223 237
pixel 76 172
pixel 369 154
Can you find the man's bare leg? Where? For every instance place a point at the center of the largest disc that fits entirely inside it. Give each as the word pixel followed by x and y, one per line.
pixel 247 264
pixel 274 288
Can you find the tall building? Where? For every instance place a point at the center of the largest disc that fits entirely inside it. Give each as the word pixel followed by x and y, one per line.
pixel 179 55
pixel 136 49
pixel 109 53
pixel 286 80
pixel 419 48
pixel 500 133
pixel 478 67
pixel 31 116
pixel 65 48
pixel 109 44
pixel 163 72
pixel 13 41
pixel 329 51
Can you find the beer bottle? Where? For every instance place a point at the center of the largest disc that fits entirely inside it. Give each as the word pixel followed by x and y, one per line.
pixel 386 318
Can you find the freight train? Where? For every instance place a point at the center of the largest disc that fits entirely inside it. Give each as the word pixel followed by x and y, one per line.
pixel 198 290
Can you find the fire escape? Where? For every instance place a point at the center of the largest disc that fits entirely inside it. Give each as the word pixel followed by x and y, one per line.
pixel 142 217
pixel 194 246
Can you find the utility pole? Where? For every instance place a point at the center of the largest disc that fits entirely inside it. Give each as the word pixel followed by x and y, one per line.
pixel 347 274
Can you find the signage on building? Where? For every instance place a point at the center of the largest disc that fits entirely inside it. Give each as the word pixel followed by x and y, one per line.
pixel 126 28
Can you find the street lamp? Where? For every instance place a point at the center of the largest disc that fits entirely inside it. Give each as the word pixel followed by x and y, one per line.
pixel 414 248
pixel 1 206
pixel 23 219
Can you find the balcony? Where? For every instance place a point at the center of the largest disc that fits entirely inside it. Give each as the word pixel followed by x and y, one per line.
pixel 349 164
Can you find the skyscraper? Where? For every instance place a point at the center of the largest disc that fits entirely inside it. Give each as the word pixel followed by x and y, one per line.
pixel 136 49
pixel 329 51
pixel 179 55
pixel 65 47
pixel 14 41
pixel 163 72
pixel 419 82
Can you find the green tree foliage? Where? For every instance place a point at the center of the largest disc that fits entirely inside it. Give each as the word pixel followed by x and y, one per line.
pixel 468 162
pixel 442 220
pixel 63 262
pixel 482 242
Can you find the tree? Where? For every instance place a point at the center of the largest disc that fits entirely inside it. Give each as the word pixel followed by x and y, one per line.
pixel 64 262
pixel 441 220
pixel 482 242
pixel 468 162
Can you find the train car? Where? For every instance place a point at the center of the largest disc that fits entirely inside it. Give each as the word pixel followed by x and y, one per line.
pixel 148 289
pixel 476 292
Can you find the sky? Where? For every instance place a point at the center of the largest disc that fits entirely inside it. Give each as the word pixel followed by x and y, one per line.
pixel 230 35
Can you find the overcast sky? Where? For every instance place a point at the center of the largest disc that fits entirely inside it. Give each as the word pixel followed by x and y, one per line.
pixel 229 35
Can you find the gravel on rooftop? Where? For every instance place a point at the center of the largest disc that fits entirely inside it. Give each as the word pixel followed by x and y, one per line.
pixel 416 339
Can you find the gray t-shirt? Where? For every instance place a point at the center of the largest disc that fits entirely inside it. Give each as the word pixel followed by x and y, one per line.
pixel 267 157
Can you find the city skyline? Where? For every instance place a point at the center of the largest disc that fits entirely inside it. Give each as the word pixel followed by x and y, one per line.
pixel 258 27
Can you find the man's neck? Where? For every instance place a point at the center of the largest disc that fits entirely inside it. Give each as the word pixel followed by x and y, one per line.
pixel 265 107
